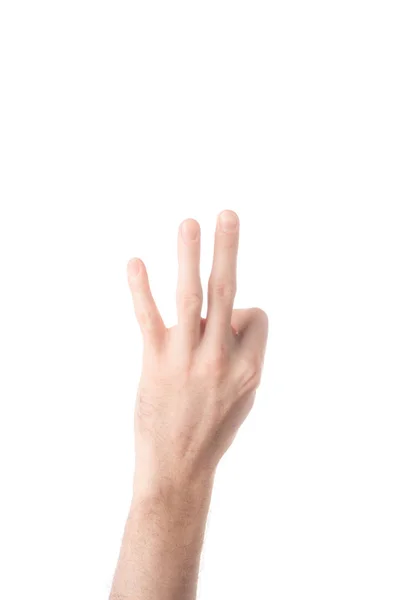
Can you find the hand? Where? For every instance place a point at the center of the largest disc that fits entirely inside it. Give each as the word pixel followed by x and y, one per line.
pixel 199 378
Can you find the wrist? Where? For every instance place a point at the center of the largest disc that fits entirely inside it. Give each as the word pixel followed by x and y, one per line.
pixel 174 490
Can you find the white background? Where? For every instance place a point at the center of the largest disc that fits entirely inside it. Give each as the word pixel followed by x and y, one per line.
pixel 117 121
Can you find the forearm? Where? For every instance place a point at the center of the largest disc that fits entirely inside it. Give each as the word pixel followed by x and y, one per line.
pixel 162 542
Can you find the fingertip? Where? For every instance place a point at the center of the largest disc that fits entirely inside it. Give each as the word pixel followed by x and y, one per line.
pixel 228 220
pixel 134 267
pixel 190 230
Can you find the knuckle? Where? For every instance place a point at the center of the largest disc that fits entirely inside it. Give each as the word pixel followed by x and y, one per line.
pixel 261 315
pixel 189 301
pixel 223 289
pixel 215 364
pixel 147 319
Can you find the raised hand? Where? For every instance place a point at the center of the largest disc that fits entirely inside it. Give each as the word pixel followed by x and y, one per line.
pixel 199 378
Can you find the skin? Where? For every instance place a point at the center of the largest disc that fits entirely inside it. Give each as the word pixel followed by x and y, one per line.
pixel 198 384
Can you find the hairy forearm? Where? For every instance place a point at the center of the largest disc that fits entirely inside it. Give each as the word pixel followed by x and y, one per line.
pixel 163 537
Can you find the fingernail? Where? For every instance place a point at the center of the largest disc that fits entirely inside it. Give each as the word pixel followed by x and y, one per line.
pixel 135 267
pixel 228 221
pixel 190 230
